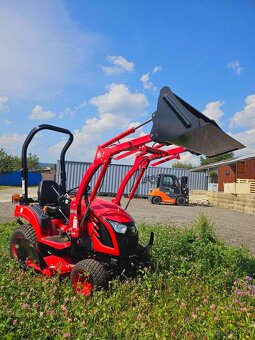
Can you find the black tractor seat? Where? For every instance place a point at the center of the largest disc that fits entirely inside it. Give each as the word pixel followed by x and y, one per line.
pixel 48 197
pixel 46 193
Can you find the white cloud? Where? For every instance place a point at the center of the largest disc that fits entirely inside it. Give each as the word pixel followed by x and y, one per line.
pixel 246 117
pixel 188 158
pixel 56 149
pixel 120 65
pixel 116 110
pixel 120 101
pixel 3 101
pixel 7 122
pixel 38 113
pixel 213 111
pixel 82 149
pixel 236 67
pixel 157 69
pixel 42 49
pixel 71 112
pixel 247 138
pixel 147 84
pixel 104 123
pixel 146 78
pixel 11 142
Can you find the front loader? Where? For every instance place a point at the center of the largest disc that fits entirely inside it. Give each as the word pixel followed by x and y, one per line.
pixel 91 239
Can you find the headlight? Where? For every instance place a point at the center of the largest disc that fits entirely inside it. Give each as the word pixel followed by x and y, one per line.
pixel 118 227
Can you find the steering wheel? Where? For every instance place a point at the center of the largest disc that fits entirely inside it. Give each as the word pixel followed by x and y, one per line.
pixel 70 190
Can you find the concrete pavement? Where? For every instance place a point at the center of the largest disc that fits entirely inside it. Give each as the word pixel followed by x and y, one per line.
pixel 6 193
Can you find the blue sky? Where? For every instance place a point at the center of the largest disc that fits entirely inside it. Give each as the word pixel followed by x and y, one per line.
pixel 96 67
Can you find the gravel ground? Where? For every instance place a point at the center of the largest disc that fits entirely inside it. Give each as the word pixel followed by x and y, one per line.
pixel 231 226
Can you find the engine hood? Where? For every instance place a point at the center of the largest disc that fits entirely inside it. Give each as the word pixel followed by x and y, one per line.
pixel 108 210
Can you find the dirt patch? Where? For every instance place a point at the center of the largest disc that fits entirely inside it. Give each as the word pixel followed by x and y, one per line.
pixel 233 227
pixel 6 212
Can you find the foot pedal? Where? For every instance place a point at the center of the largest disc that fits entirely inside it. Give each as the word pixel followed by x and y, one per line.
pixel 57 238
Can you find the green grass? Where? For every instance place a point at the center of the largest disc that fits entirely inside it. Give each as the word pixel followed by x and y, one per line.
pixel 197 288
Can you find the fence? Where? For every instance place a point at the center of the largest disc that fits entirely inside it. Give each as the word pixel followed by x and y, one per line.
pixel 116 172
pixel 14 178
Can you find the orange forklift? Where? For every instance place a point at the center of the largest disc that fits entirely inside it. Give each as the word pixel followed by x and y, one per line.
pixel 170 190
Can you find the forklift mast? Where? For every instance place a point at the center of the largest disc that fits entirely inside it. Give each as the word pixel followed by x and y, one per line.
pixel 184 185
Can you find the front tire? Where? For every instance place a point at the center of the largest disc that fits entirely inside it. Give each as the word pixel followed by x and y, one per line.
pixel 87 276
pixel 181 200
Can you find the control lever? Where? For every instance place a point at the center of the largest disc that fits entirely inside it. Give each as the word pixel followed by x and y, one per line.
pixel 66 202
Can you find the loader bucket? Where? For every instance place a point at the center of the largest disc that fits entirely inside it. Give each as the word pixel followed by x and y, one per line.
pixel 177 122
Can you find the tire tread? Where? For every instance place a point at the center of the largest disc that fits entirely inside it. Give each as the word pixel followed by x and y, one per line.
pixel 29 233
pixel 96 269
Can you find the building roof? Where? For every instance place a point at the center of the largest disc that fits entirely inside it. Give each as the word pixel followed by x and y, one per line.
pixel 229 161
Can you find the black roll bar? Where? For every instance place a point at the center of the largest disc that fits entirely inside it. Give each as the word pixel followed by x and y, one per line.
pixel 24 170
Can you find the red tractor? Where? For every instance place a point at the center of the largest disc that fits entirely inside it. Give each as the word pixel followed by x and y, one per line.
pixel 87 237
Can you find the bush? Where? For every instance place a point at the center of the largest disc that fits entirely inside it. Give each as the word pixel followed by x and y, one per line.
pixel 197 288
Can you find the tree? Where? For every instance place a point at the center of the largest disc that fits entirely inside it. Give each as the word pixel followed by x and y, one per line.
pixel 13 163
pixel 6 162
pixel 223 157
pixel 182 165
pixel 32 162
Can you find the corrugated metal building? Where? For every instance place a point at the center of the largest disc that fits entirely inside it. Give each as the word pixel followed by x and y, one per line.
pixel 116 172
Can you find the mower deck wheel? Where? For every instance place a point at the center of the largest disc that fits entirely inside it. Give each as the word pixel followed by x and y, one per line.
pixel 24 231
pixel 87 276
pixel 156 200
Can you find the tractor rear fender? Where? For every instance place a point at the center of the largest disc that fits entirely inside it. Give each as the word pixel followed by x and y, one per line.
pixel 25 212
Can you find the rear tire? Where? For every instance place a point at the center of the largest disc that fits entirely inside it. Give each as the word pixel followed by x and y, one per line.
pixel 156 200
pixel 181 200
pixel 87 276
pixel 24 231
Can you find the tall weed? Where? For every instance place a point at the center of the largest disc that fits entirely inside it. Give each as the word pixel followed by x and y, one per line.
pixel 197 288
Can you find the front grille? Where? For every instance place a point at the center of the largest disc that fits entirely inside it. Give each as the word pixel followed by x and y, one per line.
pixel 105 237
pixel 127 243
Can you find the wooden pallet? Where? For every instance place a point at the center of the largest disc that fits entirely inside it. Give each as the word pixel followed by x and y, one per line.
pixel 251 181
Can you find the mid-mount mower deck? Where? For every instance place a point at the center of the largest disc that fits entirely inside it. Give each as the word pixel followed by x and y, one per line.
pixel 89 238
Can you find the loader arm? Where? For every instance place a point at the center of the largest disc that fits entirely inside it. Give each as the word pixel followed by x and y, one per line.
pixel 141 163
pixel 103 157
